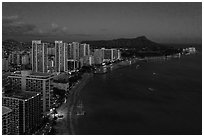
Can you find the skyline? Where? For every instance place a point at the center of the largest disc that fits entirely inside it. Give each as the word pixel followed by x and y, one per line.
pixel 159 22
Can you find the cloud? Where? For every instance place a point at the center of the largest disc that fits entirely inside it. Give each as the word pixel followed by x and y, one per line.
pixel 15 26
pixel 12 25
pixel 57 30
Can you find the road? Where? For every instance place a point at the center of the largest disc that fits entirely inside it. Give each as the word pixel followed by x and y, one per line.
pixel 66 125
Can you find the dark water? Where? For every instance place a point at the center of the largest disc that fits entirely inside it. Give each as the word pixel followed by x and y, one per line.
pixel 157 98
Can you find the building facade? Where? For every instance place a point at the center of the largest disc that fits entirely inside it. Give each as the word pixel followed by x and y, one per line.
pixel 6 121
pixel 5 64
pixel 25 59
pixel 98 56
pixel 87 60
pixel 35 82
pixel 39 56
pixel 84 50
pixel 26 112
pixel 74 51
pixel 107 55
pixel 61 56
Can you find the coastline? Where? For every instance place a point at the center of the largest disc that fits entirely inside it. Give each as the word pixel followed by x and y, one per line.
pixel 131 61
pixel 66 126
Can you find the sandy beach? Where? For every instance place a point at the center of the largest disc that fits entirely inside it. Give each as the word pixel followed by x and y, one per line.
pixel 66 125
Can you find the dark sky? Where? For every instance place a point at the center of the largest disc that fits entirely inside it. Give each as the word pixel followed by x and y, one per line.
pixel 159 22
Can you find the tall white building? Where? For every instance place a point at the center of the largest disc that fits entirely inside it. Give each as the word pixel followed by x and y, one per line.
pixel 61 56
pixel 39 56
pixel 73 54
pixel 84 50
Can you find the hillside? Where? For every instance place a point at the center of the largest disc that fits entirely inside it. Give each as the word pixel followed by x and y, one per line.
pixel 140 43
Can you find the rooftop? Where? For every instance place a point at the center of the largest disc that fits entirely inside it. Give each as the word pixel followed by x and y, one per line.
pixel 62 78
pixel 5 110
pixel 20 94
pixel 40 74
pixel 30 73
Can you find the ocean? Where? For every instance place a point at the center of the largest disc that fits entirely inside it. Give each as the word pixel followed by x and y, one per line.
pixel 158 97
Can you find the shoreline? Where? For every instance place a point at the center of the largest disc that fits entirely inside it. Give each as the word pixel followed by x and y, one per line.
pixel 132 61
pixel 66 126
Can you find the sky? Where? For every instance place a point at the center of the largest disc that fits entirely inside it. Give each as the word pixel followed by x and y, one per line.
pixel 159 22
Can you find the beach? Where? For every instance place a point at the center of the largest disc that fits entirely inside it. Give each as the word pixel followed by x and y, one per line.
pixel 66 126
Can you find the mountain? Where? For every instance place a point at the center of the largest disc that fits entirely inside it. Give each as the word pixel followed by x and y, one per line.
pixel 137 43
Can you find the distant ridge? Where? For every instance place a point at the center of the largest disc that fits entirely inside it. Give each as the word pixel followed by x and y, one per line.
pixel 137 43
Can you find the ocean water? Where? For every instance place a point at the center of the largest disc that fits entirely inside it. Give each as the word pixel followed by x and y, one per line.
pixel 161 97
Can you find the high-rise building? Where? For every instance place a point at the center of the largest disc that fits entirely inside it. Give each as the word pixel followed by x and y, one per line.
pixel 39 56
pixel 58 47
pixel 87 49
pixel 51 65
pixel 18 60
pixel 25 59
pixel 87 60
pixel 15 58
pixel 98 56
pixel 5 64
pixel 72 64
pixel 73 53
pixel 84 50
pixel 119 54
pixel 6 121
pixel 61 56
pixel 108 54
pixel 35 82
pixel 115 54
pixel 26 112
pixel 51 51
pixel 74 50
pixel 70 52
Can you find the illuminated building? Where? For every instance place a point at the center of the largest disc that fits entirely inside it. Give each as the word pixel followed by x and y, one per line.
pixel 87 60
pixel 84 50
pixel 98 56
pixel 39 56
pixel 61 56
pixel 35 82
pixel 106 55
pixel 5 64
pixel 25 59
pixel 73 55
pixel 6 120
pixel 26 112
pixel 73 51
